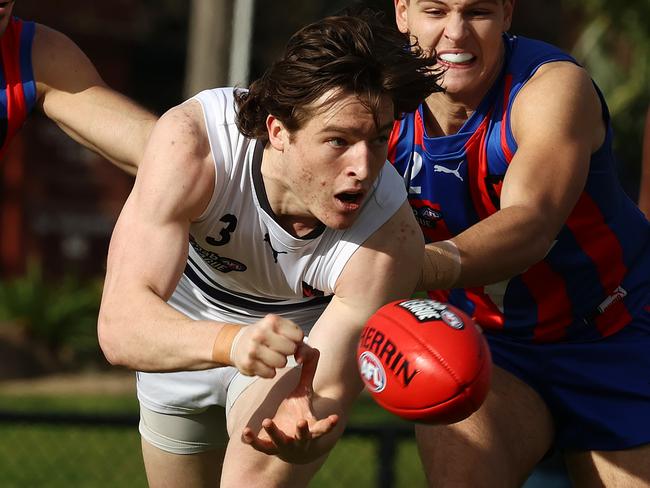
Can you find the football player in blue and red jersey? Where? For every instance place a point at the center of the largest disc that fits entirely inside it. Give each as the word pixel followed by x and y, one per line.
pixel 511 175
pixel 42 68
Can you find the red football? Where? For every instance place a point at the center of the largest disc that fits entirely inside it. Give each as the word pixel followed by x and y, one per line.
pixel 425 361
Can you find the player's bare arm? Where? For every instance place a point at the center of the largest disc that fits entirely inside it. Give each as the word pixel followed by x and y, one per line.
pixel 72 94
pixel 147 255
pixel 556 136
pixel 385 268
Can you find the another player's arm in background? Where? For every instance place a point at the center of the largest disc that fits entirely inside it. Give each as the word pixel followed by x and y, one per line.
pixel 148 253
pixel 385 268
pixel 556 136
pixel 72 94
pixel 644 189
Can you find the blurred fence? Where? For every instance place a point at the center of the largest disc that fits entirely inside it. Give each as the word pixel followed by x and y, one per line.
pixel 76 450
pixel 103 451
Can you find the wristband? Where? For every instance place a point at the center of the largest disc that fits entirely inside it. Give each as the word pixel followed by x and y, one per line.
pixel 441 267
pixel 223 343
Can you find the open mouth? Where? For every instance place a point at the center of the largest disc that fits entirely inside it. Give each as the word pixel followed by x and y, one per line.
pixel 456 59
pixel 349 201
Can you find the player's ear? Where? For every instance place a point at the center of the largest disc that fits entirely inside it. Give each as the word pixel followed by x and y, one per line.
pixel 508 8
pixel 278 134
pixel 401 17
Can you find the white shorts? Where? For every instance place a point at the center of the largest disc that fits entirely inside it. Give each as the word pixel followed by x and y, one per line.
pixel 191 432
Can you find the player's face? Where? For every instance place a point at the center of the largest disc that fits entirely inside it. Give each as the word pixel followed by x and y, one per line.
pixel 5 15
pixel 334 159
pixel 466 35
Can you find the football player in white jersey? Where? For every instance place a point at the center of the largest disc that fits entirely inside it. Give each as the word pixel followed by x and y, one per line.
pixel 297 225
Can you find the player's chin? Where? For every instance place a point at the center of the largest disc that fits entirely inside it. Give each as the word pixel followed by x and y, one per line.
pixel 342 217
pixel 340 222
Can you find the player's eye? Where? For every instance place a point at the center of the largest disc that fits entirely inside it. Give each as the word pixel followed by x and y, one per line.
pixel 478 13
pixel 434 12
pixel 381 140
pixel 337 142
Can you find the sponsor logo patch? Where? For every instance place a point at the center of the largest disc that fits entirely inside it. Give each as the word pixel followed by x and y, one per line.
pixel 428 310
pixel 427 217
pixel 222 264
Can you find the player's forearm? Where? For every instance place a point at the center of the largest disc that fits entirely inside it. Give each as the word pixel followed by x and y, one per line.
pixel 145 334
pixel 105 122
pixel 497 248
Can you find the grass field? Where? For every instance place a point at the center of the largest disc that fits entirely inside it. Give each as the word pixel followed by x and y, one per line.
pixel 84 456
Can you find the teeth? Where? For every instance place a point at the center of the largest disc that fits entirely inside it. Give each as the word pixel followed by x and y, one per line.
pixel 456 57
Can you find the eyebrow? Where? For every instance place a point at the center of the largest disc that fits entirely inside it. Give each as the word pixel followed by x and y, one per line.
pixel 354 130
pixel 469 5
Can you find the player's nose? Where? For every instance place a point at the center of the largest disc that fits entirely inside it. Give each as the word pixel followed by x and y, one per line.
pixel 361 161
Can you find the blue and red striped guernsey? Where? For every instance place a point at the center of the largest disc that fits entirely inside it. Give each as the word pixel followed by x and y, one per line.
pixel 18 88
pixel 597 274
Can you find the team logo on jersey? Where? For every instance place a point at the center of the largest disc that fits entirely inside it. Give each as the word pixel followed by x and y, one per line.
pixel 310 291
pixel 222 264
pixel 267 239
pixel 437 168
pixel 427 216
pixel 428 310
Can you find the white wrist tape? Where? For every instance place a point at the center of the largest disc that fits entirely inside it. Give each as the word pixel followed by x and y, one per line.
pixel 235 340
pixel 441 267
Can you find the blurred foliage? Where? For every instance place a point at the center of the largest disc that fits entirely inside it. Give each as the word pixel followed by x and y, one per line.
pixel 60 314
pixel 614 46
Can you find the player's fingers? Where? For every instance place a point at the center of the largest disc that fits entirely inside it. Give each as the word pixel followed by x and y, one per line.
pixel 281 344
pixel 262 445
pixel 285 327
pixel 253 366
pixel 303 432
pixel 270 357
pixel 308 356
pixel 323 426
pixel 276 435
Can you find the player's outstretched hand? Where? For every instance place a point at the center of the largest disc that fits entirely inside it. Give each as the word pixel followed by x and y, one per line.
pixel 289 434
pixel 263 347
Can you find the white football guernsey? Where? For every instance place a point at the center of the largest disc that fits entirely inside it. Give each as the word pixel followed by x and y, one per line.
pixel 243 265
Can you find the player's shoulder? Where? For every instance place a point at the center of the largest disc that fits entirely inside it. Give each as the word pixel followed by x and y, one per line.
pixel 559 72
pixel 177 158
pixel 181 130
pixel 59 63
pixel 561 87
pixel 48 39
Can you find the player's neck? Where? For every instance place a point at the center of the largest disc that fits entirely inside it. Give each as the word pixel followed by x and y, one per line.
pixel 448 111
pixel 287 210
pixel 444 115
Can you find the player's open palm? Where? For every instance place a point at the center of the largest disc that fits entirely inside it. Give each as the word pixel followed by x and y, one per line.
pixel 289 434
pixel 263 347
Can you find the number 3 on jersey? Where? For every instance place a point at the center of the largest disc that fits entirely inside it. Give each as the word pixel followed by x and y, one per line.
pixel 231 224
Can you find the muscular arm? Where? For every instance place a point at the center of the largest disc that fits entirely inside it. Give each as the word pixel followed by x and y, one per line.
pixel 557 122
pixel 147 256
pixel 384 269
pixel 72 94
pixel 148 251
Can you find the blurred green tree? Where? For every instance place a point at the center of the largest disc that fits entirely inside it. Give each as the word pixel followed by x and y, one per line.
pixel 614 45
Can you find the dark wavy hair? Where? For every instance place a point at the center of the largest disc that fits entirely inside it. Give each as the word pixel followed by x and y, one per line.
pixel 350 53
